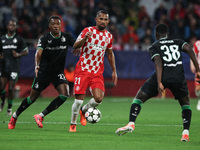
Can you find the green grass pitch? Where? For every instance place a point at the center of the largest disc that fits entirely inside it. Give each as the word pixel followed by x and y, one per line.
pixel 158 127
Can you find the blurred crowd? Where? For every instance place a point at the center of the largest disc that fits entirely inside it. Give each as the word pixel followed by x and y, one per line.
pixel 132 22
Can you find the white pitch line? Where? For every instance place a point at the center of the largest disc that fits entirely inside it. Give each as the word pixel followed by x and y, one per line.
pixel 108 124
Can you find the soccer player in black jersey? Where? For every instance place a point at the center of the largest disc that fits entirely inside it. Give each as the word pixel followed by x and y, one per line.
pixel 49 68
pixel 12 47
pixel 169 73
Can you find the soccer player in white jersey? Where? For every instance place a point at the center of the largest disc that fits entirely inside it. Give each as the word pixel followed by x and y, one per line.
pixel 196 48
pixel 93 42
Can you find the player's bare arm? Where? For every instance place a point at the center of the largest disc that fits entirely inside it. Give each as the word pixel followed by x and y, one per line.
pixel 23 53
pixel 77 51
pixel 158 66
pixel 80 42
pixel 188 49
pixel 38 55
pixel 111 59
pixel 192 68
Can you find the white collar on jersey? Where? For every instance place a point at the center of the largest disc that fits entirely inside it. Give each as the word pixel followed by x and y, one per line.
pixel 10 37
pixel 56 37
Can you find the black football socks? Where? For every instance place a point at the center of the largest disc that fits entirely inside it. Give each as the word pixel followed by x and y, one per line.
pixel 3 96
pixel 24 105
pixel 57 102
pixel 186 115
pixel 135 110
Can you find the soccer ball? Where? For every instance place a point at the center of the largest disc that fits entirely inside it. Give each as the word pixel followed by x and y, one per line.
pixel 93 115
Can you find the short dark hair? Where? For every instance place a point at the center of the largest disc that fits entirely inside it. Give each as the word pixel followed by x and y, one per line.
pixel 53 17
pixel 14 20
pixel 161 29
pixel 102 11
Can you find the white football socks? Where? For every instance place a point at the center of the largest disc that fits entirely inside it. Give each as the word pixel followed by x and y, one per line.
pixel 131 123
pixel 75 110
pixel 91 103
pixel 185 132
pixel 15 115
pixel 42 115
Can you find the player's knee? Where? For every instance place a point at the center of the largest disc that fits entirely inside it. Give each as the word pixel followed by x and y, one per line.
pixel 98 99
pixel 184 101
pixel 33 97
pixel 65 93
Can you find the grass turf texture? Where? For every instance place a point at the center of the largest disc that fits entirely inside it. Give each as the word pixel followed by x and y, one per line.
pixel 159 126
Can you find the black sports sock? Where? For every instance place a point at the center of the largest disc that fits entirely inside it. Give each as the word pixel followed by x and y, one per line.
pixel 57 102
pixel 24 105
pixel 186 115
pixel 10 102
pixel 134 112
pixel 3 96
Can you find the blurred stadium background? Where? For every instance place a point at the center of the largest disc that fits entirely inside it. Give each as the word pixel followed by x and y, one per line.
pixel 132 23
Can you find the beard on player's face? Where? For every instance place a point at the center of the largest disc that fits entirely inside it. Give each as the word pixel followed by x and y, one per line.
pixel 102 27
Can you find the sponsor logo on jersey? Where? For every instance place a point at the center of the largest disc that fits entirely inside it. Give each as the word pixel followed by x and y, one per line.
pixel 97 47
pixel 3 41
pixel 56 48
pixel 49 41
pixel 9 46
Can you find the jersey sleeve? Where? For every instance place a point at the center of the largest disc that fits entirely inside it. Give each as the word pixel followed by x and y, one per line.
pixel 111 43
pixel 40 44
pixel 23 45
pixel 153 51
pixel 82 34
pixel 182 43
pixel 71 40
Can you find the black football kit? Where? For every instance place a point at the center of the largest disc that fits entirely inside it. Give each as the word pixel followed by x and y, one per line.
pixel 10 64
pixel 52 61
pixel 173 72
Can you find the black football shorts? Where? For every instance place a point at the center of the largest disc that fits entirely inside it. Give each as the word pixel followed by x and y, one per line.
pixel 43 80
pixel 178 89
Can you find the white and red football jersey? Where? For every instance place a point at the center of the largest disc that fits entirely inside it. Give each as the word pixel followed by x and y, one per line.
pixel 93 51
pixel 197 50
